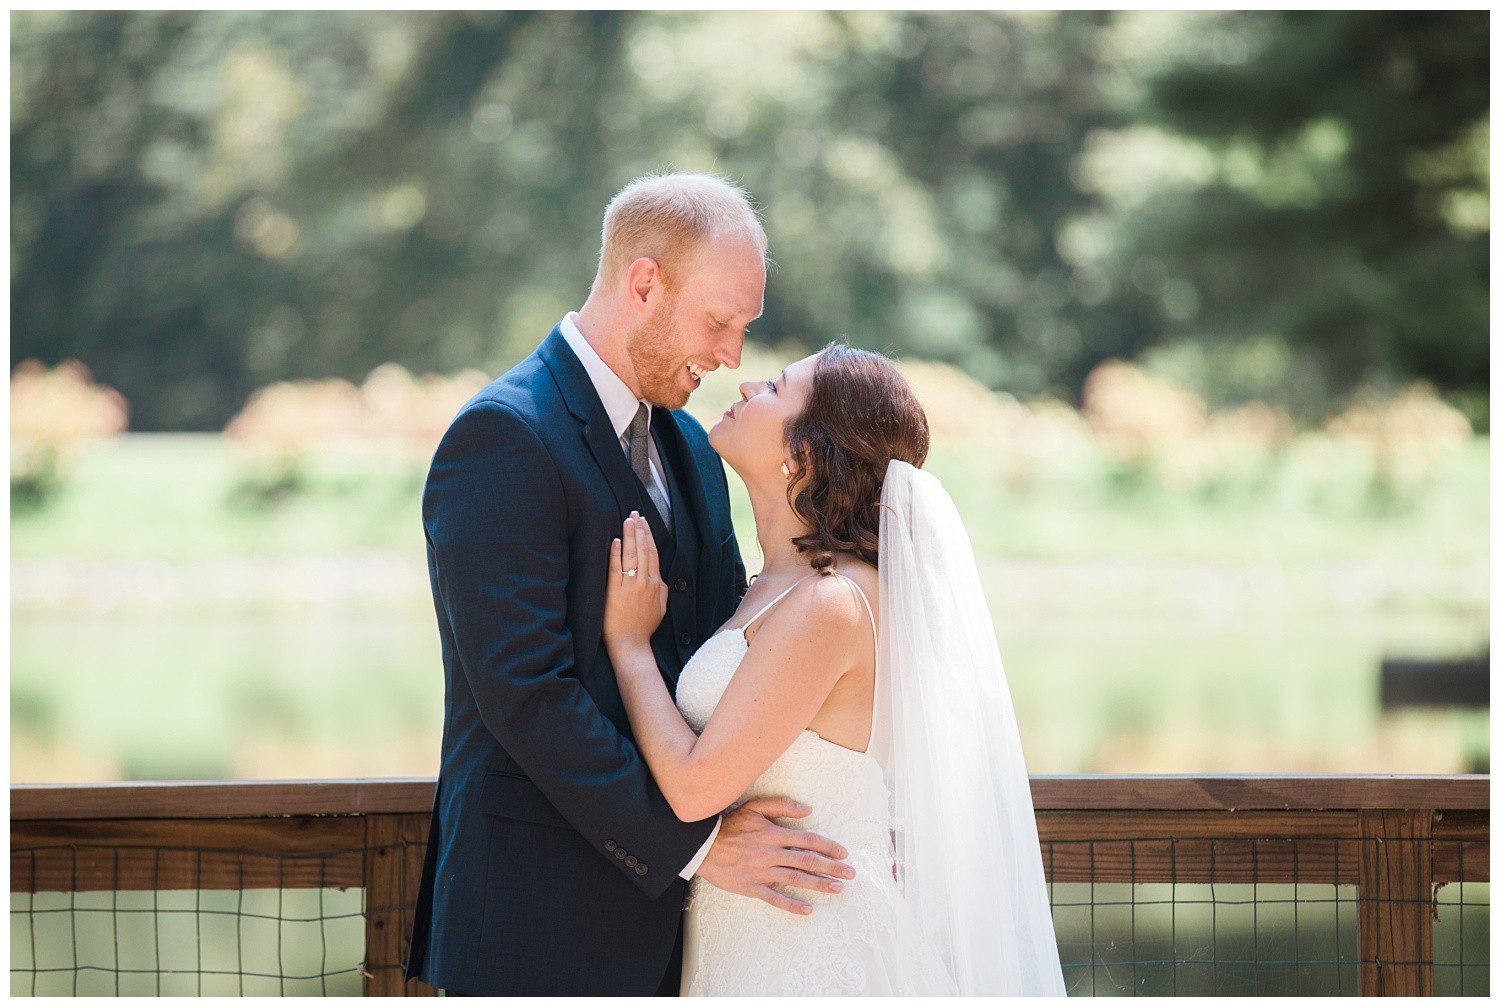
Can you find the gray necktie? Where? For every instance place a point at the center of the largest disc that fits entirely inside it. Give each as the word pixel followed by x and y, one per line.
pixel 640 434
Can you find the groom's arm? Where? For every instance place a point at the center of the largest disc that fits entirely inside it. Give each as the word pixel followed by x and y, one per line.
pixel 495 513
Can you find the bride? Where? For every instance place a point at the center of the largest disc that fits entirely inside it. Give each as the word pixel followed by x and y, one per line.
pixel 897 728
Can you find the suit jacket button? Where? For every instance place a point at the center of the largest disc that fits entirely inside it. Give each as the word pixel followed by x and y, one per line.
pixel 681 584
pixel 619 853
pixel 609 844
pixel 687 639
pixel 640 869
pixel 630 861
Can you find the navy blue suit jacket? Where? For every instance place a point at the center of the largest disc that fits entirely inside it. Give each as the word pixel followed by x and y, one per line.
pixel 553 861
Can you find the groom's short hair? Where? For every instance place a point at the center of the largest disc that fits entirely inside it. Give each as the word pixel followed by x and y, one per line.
pixel 667 217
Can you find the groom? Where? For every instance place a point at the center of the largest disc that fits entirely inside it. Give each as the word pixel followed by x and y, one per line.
pixel 554 865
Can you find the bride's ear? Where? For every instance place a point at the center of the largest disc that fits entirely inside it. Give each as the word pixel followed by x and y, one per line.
pixel 794 468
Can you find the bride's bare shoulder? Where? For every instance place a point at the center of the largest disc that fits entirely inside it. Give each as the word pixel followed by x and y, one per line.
pixel 830 602
pixel 863 574
pixel 825 604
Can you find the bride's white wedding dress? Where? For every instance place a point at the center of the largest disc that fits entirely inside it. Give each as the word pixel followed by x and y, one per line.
pixel 861 941
pixel 941 799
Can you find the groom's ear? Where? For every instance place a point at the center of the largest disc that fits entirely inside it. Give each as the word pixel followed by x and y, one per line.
pixel 643 284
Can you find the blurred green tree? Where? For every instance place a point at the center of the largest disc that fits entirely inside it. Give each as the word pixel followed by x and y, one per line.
pixel 1269 205
pixel 1320 182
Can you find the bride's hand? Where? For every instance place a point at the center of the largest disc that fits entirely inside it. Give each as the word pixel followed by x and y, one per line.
pixel 634 603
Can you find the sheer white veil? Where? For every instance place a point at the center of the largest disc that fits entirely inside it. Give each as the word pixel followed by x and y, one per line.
pixel 968 859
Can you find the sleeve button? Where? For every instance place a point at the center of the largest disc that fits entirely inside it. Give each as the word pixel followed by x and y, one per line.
pixel 640 869
pixel 609 844
pixel 619 853
pixel 630 861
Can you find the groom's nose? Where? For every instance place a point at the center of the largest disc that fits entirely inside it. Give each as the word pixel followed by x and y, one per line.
pixel 728 352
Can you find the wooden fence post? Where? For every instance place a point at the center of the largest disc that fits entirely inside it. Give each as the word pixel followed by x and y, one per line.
pixel 1395 903
pixel 392 871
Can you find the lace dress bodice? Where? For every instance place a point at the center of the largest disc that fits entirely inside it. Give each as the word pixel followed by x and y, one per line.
pixel 855 942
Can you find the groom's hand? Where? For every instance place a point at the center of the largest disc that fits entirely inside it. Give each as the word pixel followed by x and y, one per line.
pixel 751 852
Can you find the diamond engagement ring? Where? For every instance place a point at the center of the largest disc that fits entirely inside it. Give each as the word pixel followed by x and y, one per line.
pixel 630 573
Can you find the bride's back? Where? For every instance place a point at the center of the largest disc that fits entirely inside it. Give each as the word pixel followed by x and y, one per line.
pixel 845 716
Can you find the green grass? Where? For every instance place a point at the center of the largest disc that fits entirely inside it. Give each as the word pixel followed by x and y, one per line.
pixel 181 497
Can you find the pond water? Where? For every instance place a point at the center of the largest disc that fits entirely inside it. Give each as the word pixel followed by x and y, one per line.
pixel 1102 681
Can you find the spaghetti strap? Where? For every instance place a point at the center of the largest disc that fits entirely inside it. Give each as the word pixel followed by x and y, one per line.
pixel 876 634
pixel 873 633
pixel 849 581
pixel 862 597
pixel 773 601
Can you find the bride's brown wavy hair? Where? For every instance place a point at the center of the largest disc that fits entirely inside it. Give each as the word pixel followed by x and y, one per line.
pixel 860 414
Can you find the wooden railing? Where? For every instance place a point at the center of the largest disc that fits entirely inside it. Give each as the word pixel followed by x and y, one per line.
pixel 1392 837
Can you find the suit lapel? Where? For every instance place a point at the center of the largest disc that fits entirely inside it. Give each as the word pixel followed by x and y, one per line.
pixel 598 433
pixel 692 523
pixel 685 560
pixel 690 479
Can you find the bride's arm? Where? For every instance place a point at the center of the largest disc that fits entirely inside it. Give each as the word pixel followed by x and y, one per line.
pixel 799 652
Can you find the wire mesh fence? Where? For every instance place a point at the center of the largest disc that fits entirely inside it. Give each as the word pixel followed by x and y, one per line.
pixel 1176 915
pixel 164 921
pixel 256 942
pixel 1293 934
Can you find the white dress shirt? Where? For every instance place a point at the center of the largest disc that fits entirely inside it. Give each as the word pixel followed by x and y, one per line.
pixel 620 404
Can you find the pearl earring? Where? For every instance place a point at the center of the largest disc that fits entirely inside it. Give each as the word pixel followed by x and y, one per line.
pixel 786 471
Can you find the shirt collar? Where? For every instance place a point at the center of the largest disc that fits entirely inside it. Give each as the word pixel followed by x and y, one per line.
pixel 620 404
